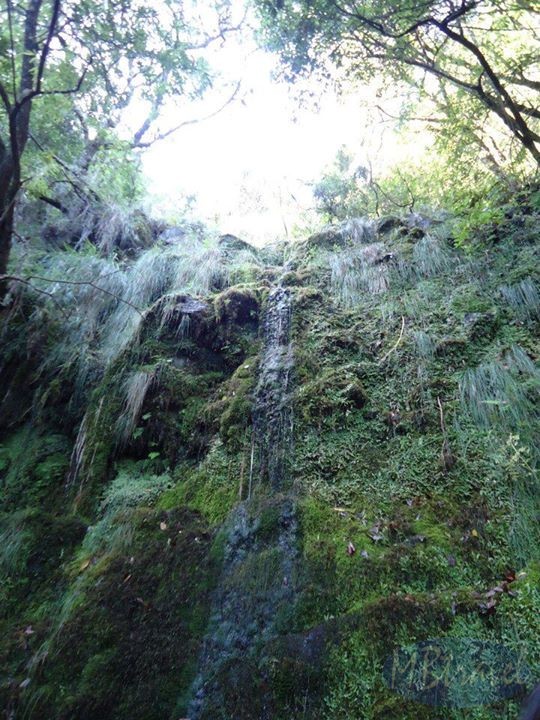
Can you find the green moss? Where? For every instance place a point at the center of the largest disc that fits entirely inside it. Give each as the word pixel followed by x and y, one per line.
pixel 238 304
pixel 337 390
pixel 34 544
pixel 258 574
pixel 212 488
pixel 139 619
pixel 307 297
pixel 33 467
pixel 230 411
pixel 395 543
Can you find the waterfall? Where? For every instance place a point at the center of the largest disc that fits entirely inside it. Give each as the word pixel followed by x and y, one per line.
pixel 258 577
pixel 273 419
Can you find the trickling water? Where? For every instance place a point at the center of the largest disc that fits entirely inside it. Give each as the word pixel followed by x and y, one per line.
pixel 258 578
pixel 272 415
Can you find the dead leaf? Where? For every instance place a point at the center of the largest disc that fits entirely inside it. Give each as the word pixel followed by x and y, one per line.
pixel 374 533
pixel 84 564
pixel 364 554
pixel 25 683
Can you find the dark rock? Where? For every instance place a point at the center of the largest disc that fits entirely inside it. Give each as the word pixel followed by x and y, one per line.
pixel 237 304
pixel 326 239
pixel 230 245
pixel 188 305
pixel 387 224
pixel 480 324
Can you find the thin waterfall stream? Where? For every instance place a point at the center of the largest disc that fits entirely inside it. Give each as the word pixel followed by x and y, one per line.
pixel 258 578
pixel 272 414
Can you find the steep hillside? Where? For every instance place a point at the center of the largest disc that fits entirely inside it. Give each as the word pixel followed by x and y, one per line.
pixel 235 481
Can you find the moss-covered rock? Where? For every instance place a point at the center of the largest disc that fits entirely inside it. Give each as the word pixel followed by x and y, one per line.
pixel 126 647
pixel 406 353
pixel 237 305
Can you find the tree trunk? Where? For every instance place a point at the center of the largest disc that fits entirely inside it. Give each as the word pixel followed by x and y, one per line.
pixel 6 231
pixel 9 181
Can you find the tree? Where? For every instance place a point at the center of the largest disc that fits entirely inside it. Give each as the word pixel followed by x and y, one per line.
pixel 342 191
pixel 17 100
pixel 480 47
pixel 71 73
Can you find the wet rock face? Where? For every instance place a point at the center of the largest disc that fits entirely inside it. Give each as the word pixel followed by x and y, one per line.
pixel 258 583
pixel 257 586
pixel 273 410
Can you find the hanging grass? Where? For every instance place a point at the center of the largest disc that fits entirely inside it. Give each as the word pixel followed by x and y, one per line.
pixel 99 304
pixel 423 343
pixel 135 389
pixel 503 393
pixel 523 298
pixel 358 230
pixel 358 271
pixel 432 256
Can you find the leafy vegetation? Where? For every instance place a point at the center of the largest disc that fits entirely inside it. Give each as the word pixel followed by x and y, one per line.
pixel 148 568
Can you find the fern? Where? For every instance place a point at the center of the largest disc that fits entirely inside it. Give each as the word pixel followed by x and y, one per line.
pixel 129 490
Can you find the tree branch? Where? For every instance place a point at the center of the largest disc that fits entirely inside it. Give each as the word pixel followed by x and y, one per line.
pixel 26 281
pixel 54 203
pixel 166 134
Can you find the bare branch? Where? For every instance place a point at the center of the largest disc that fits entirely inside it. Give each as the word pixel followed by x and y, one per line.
pixel 193 121
pixel 26 281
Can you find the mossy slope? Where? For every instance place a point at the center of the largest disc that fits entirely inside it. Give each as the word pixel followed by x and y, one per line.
pixel 415 412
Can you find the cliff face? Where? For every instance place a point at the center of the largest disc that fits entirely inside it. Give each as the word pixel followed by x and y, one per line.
pixel 235 496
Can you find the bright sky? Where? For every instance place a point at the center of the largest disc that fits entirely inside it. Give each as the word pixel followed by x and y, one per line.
pixel 251 164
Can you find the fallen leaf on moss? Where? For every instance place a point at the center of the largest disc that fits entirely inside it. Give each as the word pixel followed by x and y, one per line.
pixel 375 533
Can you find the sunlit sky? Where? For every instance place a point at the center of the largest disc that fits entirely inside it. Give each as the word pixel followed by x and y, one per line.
pixel 250 165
